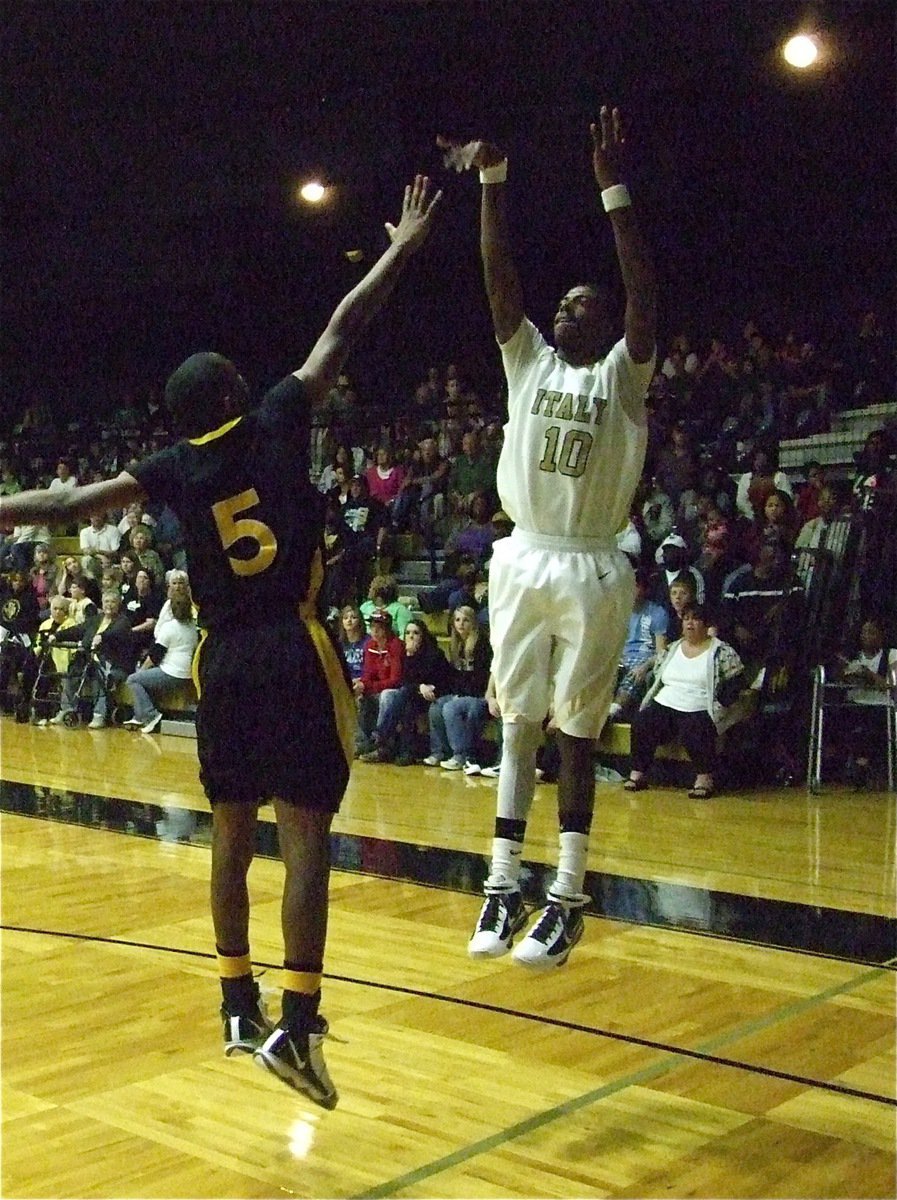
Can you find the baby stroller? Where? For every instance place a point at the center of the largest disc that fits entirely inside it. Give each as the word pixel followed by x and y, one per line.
pixel 89 677
pixel 46 690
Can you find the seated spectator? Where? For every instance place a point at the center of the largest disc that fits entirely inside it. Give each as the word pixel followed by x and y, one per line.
pixel 17 551
pixel 381 670
pixel 473 537
pixel 108 654
pixel 384 594
pixel 475 766
pixel 873 671
pixel 82 606
pixel 470 472
pixel 142 545
pixel 48 683
pixel 352 637
pixel 338 587
pixel 44 573
pixel 681 359
pixel 778 520
pixel 72 572
pixel 10 483
pixel 645 644
pixel 368 520
pixel 807 499
pixel 677 464
pixel 699 678
pixel 342 457
pixel 135 514
pixel 762 609
pixel 421 502
pixel 167 666
pixel 128 564
pixel 142 608
pixel 168 538
pixel 100 535
pixel 177 583
pixel 111 579
pixel 813 534
pixel 629 538
pixel 674 557
pixel 64 480
pixel 755 486
pixel 342 482
pixel 683 595
pixel 457 718
pixel 425 676
pixel 19 620
pixel 658 514
pixel 385 478
pixel 716 558
pixel 718 487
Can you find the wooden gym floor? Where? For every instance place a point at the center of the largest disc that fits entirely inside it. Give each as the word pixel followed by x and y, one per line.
pixel 726 1028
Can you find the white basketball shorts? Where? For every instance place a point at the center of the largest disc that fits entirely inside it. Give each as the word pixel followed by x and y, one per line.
pixel 559 609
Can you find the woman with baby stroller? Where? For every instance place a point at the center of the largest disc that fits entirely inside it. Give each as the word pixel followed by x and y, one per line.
pixel 106 658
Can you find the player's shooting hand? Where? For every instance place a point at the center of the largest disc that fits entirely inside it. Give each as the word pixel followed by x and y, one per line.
pixel 608 147
pixel 461 156
pixel 417 214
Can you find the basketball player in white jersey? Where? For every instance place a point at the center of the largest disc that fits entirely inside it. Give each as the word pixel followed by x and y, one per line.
pixel 560 593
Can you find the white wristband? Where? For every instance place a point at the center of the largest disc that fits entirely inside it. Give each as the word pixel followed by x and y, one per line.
pixel 616 197
pixel 496 174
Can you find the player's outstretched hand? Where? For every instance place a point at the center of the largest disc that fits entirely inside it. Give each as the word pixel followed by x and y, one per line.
pixel 461 156
pixel 608 147
pixel 417 214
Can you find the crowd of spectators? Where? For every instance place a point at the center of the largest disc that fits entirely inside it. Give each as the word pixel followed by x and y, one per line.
pixel 715 522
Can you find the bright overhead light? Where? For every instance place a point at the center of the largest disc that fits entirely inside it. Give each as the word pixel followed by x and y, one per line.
pixel 800 51
pixel 313 192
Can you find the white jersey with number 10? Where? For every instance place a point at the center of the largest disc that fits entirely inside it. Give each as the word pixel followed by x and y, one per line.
pixel 575 439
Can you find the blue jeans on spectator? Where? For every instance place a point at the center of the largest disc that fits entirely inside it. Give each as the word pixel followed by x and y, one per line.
pixel 393 703
pixel 148 686
pixel 106 679
pixel 456 723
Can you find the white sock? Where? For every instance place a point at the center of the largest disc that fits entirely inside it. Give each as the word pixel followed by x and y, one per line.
pixel 506 859
pixel 574 848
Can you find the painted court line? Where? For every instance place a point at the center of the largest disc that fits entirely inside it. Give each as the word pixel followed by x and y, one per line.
pixel 411 1178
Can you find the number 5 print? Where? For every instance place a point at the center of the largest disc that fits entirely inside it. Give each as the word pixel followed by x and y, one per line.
pixel 231 529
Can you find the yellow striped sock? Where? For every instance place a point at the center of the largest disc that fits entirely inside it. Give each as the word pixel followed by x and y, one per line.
pixel 304 982
pixel 234 968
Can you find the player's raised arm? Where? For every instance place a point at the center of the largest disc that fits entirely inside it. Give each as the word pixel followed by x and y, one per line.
pixel 503 288
pixel 636 266
pixel 42 507
pixel 322 367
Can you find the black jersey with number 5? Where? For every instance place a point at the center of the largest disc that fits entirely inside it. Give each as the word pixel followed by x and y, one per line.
pixel 252 521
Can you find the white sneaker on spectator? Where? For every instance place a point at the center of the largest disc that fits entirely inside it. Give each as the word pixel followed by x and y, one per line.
pixel 152 723
pixel 59 719
pixel 133 723
pixel 472 768
pixel 491 772
pixel 97 723
pixel 432 760
pixel 452 764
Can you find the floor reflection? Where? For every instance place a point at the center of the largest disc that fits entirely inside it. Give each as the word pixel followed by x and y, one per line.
pixel 859 937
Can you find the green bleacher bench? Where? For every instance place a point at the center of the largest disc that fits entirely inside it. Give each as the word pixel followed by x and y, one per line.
pixel 63 546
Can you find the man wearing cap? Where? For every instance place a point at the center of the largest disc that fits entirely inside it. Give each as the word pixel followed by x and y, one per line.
pixel 275 717
pixel 381 671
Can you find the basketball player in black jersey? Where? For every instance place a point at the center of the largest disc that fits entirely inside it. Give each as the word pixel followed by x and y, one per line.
pixel 275 718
